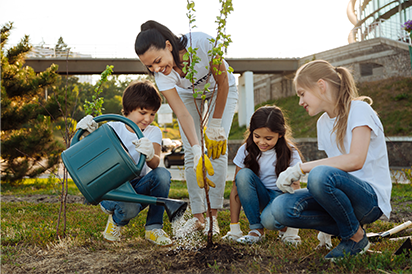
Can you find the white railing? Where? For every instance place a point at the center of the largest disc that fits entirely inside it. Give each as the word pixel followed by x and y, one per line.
pixel 384 29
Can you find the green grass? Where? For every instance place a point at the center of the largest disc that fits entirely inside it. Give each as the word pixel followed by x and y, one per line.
pixel 392 100
pixel 50 186
pixel 26 225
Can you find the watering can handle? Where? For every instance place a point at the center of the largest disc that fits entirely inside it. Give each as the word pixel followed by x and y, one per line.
pixel 114 117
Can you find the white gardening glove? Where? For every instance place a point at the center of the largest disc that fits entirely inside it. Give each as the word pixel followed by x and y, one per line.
pixel 287 177
pixel 87 123
pixel 215 139
pixel 197 152
pixel 144 146
pixel 324 240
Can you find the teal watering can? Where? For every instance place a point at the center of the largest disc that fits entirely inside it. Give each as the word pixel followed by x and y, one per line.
pixel 102 169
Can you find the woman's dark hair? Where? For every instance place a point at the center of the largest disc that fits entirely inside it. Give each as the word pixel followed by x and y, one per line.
pixel 140 94
pixel 272 118
pixel 154 34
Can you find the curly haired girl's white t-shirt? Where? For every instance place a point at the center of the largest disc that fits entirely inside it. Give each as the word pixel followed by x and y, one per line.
pixel 375 170
pixel 200 41
pixel 153 133
pixel 267 164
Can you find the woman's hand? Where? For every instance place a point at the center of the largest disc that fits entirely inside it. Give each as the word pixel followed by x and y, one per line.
pixel 215 139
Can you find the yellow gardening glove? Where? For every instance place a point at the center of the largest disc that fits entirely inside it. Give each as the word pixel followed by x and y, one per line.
pixel 215 139
pixel 198 166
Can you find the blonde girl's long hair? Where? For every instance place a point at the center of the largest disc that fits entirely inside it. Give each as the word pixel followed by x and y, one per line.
pixel 343 88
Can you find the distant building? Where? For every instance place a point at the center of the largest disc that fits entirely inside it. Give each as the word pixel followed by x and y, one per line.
pixel 378 48
pixel 379 18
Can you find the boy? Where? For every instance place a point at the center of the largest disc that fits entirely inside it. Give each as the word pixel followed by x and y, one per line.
pixel 141 101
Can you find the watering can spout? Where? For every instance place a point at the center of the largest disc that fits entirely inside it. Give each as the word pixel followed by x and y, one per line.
pixel 126 193
pixel 174 208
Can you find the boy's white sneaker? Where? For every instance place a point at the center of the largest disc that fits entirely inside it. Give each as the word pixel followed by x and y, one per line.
pixel 113 232
pixel 191 225
pixel 215 229
pixel 158 236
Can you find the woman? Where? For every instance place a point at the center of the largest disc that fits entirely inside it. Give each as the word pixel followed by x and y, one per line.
pixel 162 53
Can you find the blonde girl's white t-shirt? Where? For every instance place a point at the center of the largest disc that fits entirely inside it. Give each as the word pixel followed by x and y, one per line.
pixel 200 41
pixel 267 164
pixel 375 170
pixel 153 133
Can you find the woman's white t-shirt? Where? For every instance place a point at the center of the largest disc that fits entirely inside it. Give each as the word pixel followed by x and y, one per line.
pixel 267 164
pixel 375 170
pixel 201 41
pixel 153 133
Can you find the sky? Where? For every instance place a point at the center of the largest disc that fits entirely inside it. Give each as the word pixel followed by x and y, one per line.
pixel 259 28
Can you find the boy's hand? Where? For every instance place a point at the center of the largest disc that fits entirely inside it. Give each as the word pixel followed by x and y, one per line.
pixel 144 146
pixel 87 123
pixel 287 177
pixel 215 139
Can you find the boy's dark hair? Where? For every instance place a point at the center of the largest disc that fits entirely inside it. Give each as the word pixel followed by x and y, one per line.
pixel 140 94
pixel 272 118
pixel 154 34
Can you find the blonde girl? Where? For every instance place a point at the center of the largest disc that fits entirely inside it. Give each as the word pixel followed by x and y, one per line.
pixel 351 187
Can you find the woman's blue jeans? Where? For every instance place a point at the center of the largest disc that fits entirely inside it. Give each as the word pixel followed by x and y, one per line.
pixel 335 202
pixel 157 184
pixel 253 196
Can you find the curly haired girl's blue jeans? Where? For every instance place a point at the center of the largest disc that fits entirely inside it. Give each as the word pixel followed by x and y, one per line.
pixel 335 202
pixel 157 184
pixel 253 196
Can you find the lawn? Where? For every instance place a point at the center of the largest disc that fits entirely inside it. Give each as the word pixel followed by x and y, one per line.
pixel 29 242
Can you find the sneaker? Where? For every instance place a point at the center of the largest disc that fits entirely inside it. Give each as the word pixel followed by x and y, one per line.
pixel 325 240
pixel 290 236
pixel 158 236
pixel 113 232
pixel 349 247
pixel 215 229
pixel 109 212
pixel 192 225
pixel 230 236
pixel 251 239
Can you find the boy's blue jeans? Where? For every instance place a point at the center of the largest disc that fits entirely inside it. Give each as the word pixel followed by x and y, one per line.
pixel 335 202
pixel 254 196
pixel 157 184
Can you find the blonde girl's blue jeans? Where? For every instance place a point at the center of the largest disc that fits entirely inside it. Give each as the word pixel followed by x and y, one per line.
pixel 335 202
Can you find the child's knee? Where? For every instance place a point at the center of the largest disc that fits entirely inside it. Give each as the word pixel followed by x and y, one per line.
pixel 267 219
pixel 243 177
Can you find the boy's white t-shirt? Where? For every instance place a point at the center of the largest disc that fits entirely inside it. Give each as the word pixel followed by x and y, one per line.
pixel 267 164
pixel 375 170
pixel 201 41
pixel 153 133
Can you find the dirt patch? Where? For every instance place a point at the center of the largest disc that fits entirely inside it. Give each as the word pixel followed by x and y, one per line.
pixel 221 258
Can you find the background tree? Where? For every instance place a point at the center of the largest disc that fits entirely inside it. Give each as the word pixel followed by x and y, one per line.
pixel 61 49
pixel 26 133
